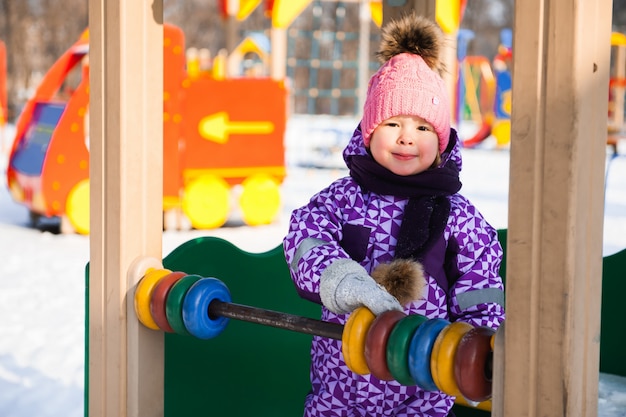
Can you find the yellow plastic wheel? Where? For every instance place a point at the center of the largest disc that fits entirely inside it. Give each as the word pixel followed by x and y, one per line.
pixel 442 357
pixel 501 130
pixel 143 295
pixel 260 200
pixel 206 202
pixel 353 340
pixel 77 207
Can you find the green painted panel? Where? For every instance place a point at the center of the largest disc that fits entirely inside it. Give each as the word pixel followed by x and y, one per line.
pixel 249 369
pixel 613 323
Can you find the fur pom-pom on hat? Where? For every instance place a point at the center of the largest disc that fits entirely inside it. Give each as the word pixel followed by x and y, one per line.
pixel 412 34
pixel 409 81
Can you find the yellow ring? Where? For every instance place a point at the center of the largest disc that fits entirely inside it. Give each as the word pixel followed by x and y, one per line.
pixel 353 340
pixel 442 357
pixel 143 294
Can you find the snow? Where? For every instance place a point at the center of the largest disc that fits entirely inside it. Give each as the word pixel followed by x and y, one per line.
pixel 42 284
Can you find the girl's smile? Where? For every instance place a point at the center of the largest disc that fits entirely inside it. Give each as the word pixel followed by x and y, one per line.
pixel 403 157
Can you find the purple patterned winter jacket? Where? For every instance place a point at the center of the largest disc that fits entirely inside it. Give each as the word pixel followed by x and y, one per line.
pixel 343 215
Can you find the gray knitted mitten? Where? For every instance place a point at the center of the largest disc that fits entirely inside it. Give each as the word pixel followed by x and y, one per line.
pixel 346 285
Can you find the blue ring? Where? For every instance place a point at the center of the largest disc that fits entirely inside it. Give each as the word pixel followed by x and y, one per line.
pixel 398 345
pixel 420 352
pixel 196 308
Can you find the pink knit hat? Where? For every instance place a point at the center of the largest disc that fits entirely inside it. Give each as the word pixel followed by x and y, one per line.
pixel 408 83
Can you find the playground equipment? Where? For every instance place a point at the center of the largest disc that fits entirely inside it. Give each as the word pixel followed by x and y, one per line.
pixel 3 96
pixel 501 129
pixel 553 300
pixel 617 90
pixel 491 110
pixel 431 353
pixel 194 314
pixel 207 334
pixel 479 97
pixel 3 84
pixel 484 90
pixel 216 146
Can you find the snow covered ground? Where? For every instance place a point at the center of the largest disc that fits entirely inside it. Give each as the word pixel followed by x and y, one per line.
pixel 42 273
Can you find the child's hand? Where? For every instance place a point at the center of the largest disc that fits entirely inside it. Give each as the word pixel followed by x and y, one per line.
pixel 345 285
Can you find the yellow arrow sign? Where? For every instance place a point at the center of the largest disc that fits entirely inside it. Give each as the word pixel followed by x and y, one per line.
pixel 217 127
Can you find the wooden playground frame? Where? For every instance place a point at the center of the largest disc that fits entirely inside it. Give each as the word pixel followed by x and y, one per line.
pixel 550 349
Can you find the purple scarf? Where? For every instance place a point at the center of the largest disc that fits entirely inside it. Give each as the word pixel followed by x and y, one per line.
pixel 426 213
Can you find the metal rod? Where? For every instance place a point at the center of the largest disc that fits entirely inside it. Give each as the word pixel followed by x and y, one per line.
pixel 271 318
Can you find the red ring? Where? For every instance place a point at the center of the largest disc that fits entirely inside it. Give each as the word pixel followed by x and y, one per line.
pixel 159 298
pixel 376 343
pixel 473 363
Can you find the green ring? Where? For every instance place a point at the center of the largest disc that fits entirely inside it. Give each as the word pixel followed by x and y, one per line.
pixel 174 303
pixel 398 346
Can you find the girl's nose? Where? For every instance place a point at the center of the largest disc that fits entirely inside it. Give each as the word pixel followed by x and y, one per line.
pixel 405 139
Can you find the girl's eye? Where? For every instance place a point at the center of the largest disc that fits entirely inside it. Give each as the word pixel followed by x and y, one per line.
pixel 423 128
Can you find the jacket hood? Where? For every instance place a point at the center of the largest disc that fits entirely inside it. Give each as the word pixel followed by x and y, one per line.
pixel 356 146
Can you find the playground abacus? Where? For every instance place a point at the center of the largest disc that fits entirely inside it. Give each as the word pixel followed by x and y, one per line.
pixel 434 354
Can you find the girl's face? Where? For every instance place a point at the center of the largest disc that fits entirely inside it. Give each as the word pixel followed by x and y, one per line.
pixel 405 145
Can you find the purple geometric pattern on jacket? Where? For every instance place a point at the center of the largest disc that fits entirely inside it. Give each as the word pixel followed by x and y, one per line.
pixel 340 392
pixel 336 390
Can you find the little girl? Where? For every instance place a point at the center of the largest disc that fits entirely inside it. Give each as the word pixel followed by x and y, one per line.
pixel 401 201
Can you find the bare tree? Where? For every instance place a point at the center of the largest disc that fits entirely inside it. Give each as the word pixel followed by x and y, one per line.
pixel 36 33
pixel 15 22
pixel 619 16
pixel 487 18
pixel 205 26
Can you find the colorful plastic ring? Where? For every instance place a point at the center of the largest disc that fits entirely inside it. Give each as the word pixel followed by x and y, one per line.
pixel 376 343
pixel 472 364
pixel 398 348
pixel 143 294
pixel 353 340
pixel 196 308
pixel 159 297
pixel 420 350
pixel 442 357
pixel 174 303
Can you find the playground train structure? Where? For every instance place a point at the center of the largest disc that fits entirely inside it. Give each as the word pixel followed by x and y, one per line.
pixel 222 141
pixel 223 137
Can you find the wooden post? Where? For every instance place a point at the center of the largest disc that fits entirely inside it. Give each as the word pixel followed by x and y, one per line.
pixel 126 159
pixel 232 27
pixel 554 270
pixel 278 55
pixel 616 123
